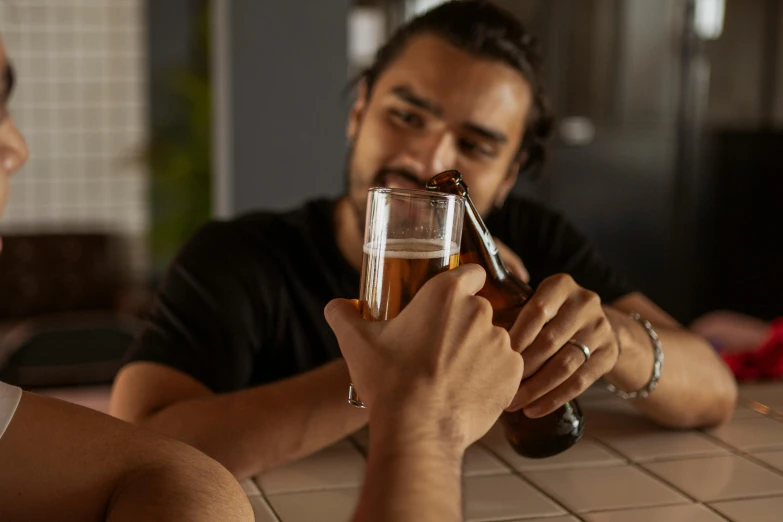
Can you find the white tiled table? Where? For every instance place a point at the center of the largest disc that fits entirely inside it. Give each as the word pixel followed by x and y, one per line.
pixel 624 469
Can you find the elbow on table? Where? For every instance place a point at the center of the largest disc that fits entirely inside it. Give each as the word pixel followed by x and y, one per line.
pixel 717 410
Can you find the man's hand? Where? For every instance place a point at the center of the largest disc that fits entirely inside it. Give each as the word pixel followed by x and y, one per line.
pixel 560 310
pixel 441 359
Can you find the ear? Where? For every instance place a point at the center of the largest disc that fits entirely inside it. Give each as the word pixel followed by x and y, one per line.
pixel 357 111
pixel 511 178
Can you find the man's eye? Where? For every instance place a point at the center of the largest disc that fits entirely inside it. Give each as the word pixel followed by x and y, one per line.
pixel 472 147
pixel 407 118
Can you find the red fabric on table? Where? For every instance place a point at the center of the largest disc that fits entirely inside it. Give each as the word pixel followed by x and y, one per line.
pixel 764 363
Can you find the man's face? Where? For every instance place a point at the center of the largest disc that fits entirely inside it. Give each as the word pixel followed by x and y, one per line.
pixel 13 149
pixel 437 108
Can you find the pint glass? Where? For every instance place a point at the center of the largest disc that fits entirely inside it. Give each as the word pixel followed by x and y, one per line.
pixel 409 237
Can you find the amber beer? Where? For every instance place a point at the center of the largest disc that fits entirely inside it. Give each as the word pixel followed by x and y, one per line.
pixel 394 272
pixel 533 438
pixel 410 236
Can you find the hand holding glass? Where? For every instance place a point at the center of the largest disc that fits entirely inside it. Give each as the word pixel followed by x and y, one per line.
pixel 409 237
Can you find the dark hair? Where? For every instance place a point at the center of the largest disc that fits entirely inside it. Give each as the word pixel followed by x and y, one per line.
pixel 487 31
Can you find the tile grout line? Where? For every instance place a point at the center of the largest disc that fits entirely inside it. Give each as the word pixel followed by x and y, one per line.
pixel 625 461
pixel 610 449
pixel 675 488
pixel 638 466
pixel 313 490
pixel 745 454
pixel 267 501
pixel 732 451
pixel 528 481
pixel 653 460
pixel 509 471
pixel 678 490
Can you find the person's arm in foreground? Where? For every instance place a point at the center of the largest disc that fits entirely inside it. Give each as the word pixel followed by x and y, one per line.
pixel 60 461
pixel 435 379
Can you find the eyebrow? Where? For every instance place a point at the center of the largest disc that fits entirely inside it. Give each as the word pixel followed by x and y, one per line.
pixel 406 94
pixel 493 135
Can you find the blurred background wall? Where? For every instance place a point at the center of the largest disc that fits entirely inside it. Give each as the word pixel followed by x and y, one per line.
pixel 148 117
pixel 83 107
pixel 284 68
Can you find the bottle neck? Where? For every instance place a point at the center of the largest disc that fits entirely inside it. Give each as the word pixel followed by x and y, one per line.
pixel 478 245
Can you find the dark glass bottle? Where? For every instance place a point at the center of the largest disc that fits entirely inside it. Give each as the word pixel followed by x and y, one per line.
pixel 532 438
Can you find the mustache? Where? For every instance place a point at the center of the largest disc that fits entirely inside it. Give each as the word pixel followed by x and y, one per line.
pixel 407 175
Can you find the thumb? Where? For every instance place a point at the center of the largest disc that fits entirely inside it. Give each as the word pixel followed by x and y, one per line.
pixel 343 317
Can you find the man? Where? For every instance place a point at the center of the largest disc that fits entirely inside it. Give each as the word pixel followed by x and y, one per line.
pixel 236 358
pixel 59 461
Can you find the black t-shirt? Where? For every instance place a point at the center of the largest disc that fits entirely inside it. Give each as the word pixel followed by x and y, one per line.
pixel 242 304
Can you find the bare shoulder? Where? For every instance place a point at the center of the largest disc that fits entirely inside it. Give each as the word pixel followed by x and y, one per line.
pixel 64 461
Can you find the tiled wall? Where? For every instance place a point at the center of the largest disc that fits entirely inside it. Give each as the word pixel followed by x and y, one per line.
pixel 81 101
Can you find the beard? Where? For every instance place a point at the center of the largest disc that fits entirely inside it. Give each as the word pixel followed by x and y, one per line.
pixel 356 189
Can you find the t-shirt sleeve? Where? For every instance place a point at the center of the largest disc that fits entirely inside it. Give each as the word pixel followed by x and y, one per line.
pixel 548 244
pixel 9 400
pixel 202 322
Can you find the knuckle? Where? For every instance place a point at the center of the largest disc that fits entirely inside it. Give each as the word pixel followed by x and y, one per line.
pixel 456 280
pixel 447 295
pixel 518 364
pixel 442 285
pixel 519 343
pixel 479 310
pixel 468 274
pixel 549 403
pixel 589 297
pixel 580 383
pixel 564 365
pixel 484 307
pixel 450 304
pixel 538 308
pixel 562 279
pixel 501 336
pixel 602 323
pixel 550 339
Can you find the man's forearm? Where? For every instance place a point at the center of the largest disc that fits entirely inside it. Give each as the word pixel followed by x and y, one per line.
pixel 695 389
pixel 410 476
pixel 253 430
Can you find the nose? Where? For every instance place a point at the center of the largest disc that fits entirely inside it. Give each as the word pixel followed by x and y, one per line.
pixel 13 148
pixel 428 156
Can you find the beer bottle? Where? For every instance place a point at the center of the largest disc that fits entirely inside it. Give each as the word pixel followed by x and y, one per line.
pixel 532 438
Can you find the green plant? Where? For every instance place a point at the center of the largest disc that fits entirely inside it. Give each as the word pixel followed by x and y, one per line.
pixel 180 153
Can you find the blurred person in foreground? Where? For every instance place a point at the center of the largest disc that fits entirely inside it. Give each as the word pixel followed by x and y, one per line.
pixel 60 461
pixel 236 358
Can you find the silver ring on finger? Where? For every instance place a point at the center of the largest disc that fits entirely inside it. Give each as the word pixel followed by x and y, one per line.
pixel 583 347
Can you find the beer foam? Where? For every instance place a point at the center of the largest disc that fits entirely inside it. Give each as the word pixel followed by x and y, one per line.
pixel 411 249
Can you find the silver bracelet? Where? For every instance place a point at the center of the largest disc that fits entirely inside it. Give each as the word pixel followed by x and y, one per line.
pixel 657 365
